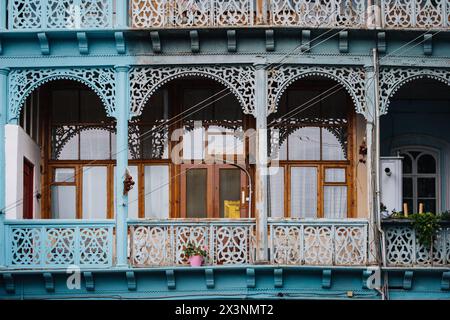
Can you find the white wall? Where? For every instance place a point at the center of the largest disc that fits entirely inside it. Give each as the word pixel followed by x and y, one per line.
pixel 19 146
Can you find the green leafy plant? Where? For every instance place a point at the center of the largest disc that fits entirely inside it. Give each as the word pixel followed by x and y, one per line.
pixel 397 215
pixel 445 215
pixel 193 250
pixel 426 226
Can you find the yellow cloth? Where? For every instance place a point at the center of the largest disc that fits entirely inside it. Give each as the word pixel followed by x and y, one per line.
pixel 232 209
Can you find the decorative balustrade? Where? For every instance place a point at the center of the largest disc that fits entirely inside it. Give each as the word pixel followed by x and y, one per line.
pixel 60 14
pixel 318 13
pixel 318 242
pixel 59 243
pixel 192 13
pixel 403 248
pixel 356 14
pixel 433 14
pixel 162 243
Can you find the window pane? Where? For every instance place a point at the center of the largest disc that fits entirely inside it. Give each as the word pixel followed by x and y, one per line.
pixel 64 175
pixel 304 144
pixel 196 193
pixel 407 187
pixel 304 192
pixel 95 193
pixel 65 141
pixel 335 202
pixel 65 106
pixel 426 187
pixel 429 205
pixel 193 144
pixel 333 145
pixel 409 203
pixel 276 191
pixel 426 164
pixel 64 202
pixel 407 163
pixel 224 141
pixel 229 192
pixel 157 192
pixel 91 107
pixel 154 141
pixel 95 144
pixel 335 175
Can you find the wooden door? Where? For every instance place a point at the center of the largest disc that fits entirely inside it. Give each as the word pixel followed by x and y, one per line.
pixel 207 189
pixel 28 183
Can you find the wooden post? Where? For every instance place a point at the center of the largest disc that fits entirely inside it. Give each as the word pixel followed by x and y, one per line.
pixel 261 207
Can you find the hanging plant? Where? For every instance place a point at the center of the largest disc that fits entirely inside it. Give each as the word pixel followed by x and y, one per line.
pixel 426 226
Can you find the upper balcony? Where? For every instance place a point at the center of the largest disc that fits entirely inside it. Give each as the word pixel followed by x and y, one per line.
pixel 33 15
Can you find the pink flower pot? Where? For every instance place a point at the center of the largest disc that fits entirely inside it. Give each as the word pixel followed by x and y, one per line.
pixel 196 261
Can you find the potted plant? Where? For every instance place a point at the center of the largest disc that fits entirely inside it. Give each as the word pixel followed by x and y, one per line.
pixel 195 254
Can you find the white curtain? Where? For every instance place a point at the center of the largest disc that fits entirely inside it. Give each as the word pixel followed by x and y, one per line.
pixel 95 199
pixel 276 190
pixel 157 192
pixel 304 192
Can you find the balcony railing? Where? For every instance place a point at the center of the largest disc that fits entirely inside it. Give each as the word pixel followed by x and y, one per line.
pixel 58 243
pixel 161 243
pixel 403 248
pixel 156 14
pixel 316 242
pixel 416 14
pixel 60 14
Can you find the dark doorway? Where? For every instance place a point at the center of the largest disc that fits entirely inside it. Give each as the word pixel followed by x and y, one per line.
pixel 28 179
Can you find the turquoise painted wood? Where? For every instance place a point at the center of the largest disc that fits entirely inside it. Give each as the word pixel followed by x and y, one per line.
pixel 3 120
pixel 122 116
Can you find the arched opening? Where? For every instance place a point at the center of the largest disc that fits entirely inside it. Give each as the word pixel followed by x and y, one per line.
pixel 416 128
pixel 189 154
pixel 314 147
pixel 76 140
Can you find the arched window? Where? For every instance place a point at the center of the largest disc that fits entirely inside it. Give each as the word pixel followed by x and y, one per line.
pixel 312 137
pixel 420 179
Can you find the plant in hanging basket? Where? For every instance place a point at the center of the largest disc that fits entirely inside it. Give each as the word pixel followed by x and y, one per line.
pixel 196 254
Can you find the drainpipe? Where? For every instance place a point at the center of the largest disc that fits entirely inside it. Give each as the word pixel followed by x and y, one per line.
pixel 261 205
pixel 3 120
pixel 377 154
pixel 122 115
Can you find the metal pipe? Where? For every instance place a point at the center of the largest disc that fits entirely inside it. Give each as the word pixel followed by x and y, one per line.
pixel 377 155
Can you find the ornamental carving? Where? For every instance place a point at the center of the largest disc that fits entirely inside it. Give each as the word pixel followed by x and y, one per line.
pixel 22 82
pixel 392 79
pixel 239 79
pixel 351 78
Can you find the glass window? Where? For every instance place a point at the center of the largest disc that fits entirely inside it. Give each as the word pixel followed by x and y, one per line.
pixel 335 175
pixel 229 190
pixel 64 202
pixel 95 193
pixel 64 175
pixel 95 144
pixel 196 191
pixel 420 180
pixel 335 202
pixel 276 192
pixel 157 190
pixel 304 144
pixel 304 192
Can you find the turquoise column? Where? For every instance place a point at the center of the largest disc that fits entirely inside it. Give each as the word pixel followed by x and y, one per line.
pixel 122 115
pixel 3 119
pixel 122 14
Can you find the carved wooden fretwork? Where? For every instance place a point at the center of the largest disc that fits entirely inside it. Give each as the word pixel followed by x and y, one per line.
pixel 351 78
pixel 239 79
pixel 392 79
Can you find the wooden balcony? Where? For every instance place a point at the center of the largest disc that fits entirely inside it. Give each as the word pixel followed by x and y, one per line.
pixel 162 14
